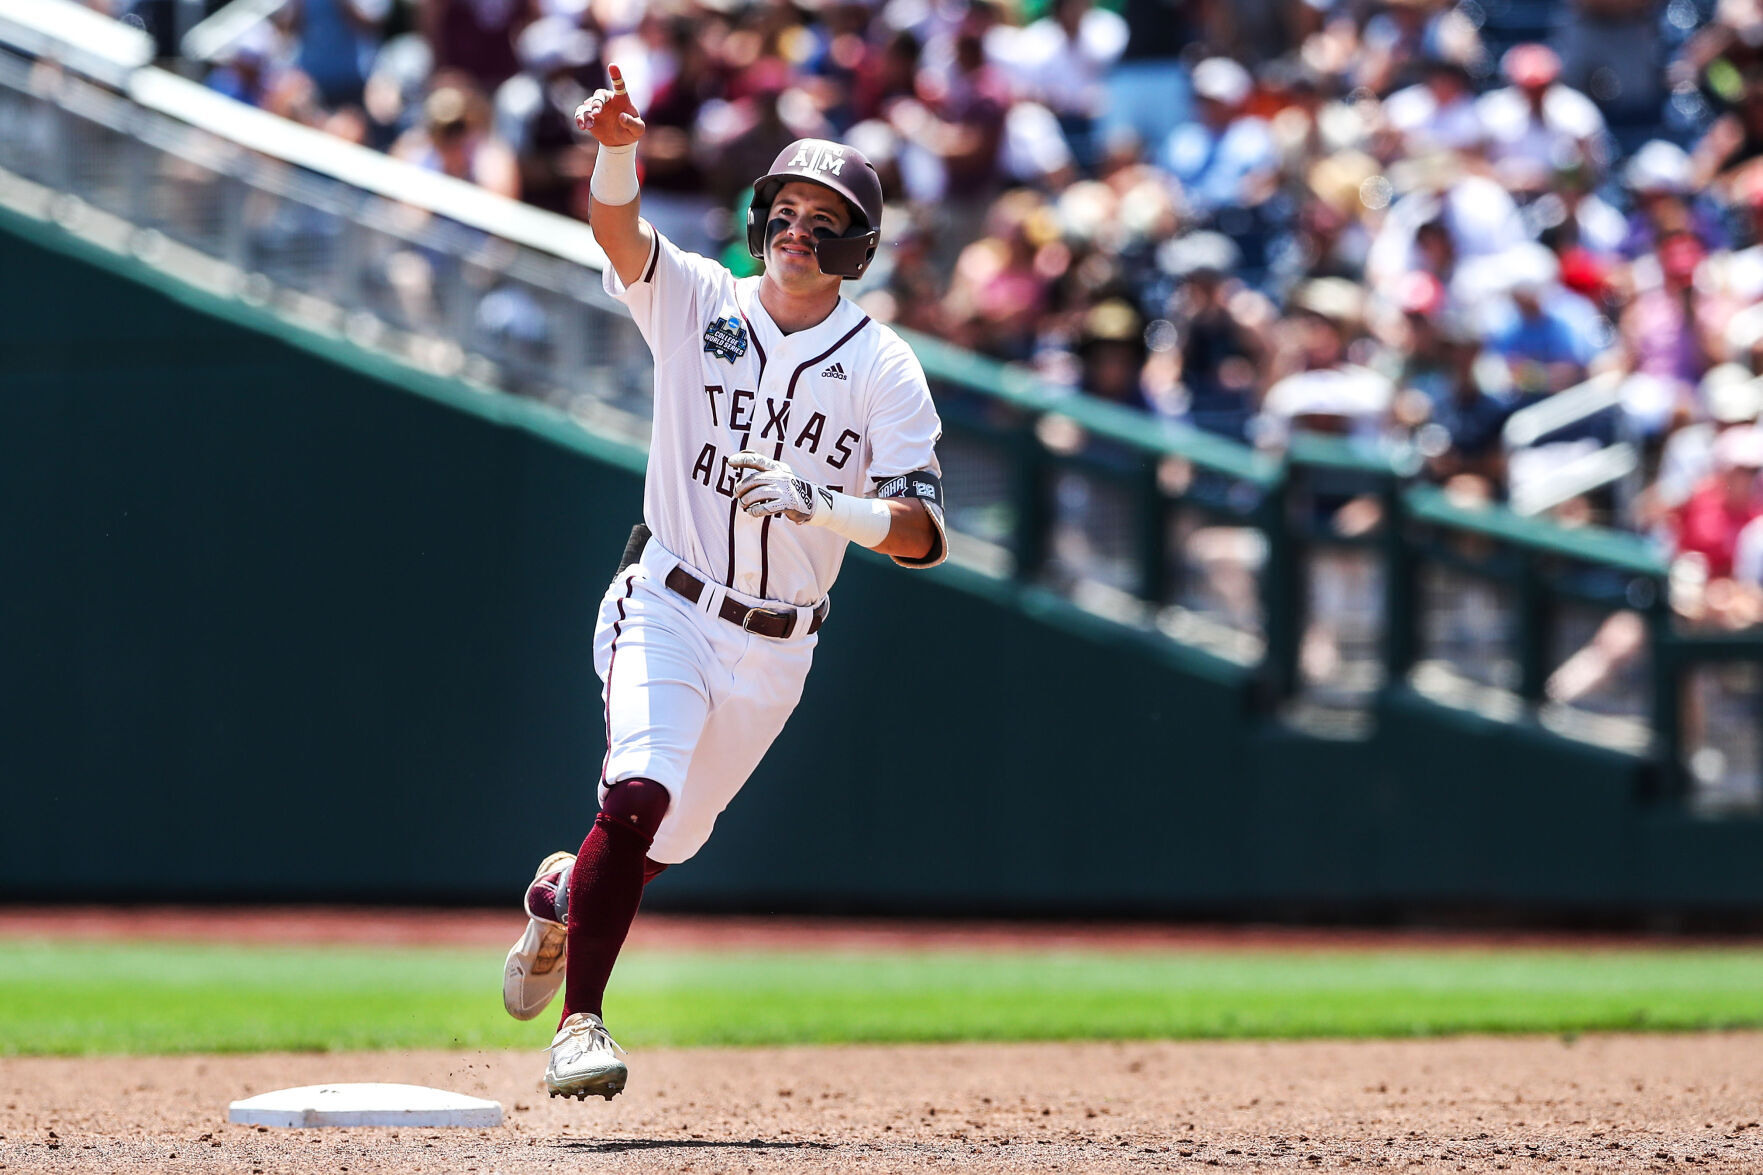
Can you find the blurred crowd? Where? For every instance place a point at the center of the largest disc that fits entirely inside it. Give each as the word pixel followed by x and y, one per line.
pixel 1523 238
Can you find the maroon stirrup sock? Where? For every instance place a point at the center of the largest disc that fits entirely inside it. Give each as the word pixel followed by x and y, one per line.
pixel 606 887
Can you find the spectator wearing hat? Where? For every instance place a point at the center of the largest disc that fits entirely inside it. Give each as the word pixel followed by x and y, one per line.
pixel 1415 351
pixel 1437 113
pixel 1224 158
pixel 1405 33
pixel 1223 353
pixel 1544 346
pixel 1461 438
pixel 1322 389
pixel 1327 392
pixel 1062 61
pixel 1661 178
pixel 1741 279
pixel 1706 527
pixel 1571 217
pixel 1328 237
pixel 1745 607
pixel 1537 120
pixel 1450 222
pixel 396 85
pixel 454 140
pixel 1146 216
pixel 1733 398
pixel 251 66
pixel 1294 97
pixel 1667 335
pixel 1454 420
pixel 1111 353
pixel 1716 564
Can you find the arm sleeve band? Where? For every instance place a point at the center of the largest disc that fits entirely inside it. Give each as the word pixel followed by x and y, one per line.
pixel 919 484
pixel 927 487
pixel 615 175
pixel 865 521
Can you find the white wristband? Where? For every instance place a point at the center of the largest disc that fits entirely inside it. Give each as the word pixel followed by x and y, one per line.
pixel 615 175
pixel 865 521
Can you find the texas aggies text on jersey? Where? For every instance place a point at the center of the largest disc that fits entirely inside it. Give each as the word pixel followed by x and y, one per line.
pixel 845 404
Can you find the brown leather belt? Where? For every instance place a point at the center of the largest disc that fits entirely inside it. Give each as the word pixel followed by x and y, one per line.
pixel 776 623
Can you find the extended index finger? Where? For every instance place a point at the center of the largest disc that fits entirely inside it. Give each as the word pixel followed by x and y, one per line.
pixel 617 76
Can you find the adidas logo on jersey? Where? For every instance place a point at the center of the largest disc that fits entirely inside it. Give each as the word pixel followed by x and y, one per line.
pixel 836 371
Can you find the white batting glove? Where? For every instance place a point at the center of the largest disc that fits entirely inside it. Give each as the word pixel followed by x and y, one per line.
pixel 773 488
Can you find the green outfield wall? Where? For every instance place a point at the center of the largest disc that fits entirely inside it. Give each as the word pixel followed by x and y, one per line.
pixel 282 620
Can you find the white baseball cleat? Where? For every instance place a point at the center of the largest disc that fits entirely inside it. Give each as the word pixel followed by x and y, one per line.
pixel 584 1060
pixel 535 967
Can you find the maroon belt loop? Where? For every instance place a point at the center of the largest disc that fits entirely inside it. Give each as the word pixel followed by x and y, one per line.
pixel 776 623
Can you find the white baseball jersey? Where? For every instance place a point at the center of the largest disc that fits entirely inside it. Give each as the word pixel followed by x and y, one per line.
pixel 845 404
pixel 693 701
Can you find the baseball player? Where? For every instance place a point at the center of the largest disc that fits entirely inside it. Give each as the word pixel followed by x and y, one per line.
pixel 787 424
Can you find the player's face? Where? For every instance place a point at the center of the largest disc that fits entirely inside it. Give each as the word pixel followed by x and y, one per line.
pixel 798 214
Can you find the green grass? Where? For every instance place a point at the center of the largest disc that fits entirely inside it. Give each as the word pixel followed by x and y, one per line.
pixel 63 997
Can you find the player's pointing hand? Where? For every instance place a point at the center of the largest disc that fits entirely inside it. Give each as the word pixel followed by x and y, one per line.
pixel 610 115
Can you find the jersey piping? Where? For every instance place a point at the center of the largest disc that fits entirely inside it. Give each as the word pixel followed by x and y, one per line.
pixel 734 503
pixel 630 585
pixel 789 395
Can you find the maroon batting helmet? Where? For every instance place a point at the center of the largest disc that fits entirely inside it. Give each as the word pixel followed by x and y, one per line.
pixel 843 170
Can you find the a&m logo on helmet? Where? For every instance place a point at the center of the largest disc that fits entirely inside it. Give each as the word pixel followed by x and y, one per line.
pixel 726 338
pixel 817 155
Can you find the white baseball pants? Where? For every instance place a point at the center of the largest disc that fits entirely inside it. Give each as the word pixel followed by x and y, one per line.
pixel 692 701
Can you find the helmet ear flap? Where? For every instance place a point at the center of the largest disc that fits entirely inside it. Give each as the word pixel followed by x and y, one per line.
pixel 756 232
pixel 848 256
pixel 758 212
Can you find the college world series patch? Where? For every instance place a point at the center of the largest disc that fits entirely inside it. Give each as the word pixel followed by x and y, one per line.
pixel 726 338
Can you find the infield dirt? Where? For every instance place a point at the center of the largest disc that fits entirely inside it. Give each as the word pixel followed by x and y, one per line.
pixel 1594 1104
pixel 1615 1103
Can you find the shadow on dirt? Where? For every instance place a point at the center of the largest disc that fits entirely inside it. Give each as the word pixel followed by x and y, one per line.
pixel 619 1146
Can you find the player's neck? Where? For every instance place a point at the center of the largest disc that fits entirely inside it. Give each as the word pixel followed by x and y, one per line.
pixel 796 310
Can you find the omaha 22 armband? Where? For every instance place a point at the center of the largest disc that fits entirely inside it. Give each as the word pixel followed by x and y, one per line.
pixel 927 487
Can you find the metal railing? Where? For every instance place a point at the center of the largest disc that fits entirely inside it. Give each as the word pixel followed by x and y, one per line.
pixel 430 268
pixel 1539 596
pixel 1323 575
pixel 1609 461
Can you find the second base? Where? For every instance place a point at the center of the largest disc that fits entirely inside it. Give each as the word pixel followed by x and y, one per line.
pixel 364 1104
